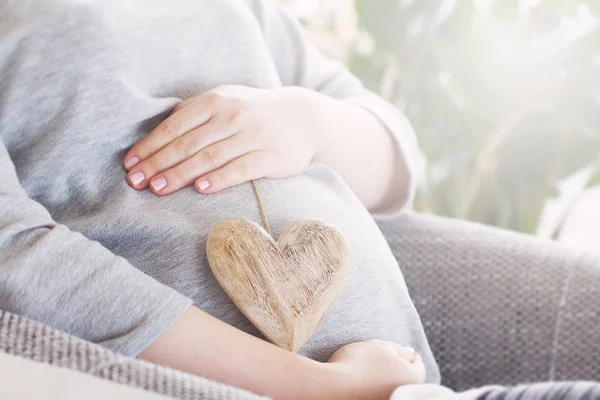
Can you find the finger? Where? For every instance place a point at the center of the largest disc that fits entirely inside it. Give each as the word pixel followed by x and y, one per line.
pixel 250 166
pixel 408 353
pixel 167 131
pixel 209 159
pixel 209 96
pixel 420 372
pixel 183 104
pixel 180 150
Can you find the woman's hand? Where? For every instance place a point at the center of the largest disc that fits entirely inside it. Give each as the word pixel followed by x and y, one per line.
pixel 228 136
pixel 375 368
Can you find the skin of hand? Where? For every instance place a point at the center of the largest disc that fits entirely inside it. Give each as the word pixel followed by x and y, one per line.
pixel 234 134
pixel 201 344
pixel 225 137
pixel 379 367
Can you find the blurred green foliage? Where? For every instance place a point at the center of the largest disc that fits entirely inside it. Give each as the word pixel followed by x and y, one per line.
pixel 504 99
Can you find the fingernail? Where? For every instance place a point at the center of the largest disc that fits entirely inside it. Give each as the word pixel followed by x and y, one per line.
pixel 137 177
pixel 413 354
pixel 203 185
pixel 132 162
pixel 158 183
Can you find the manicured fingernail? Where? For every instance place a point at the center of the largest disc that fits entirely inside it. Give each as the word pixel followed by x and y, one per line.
pixel 203 185
pixel 413 354
pixel 132 162
pixel 158 183
pixel 137 177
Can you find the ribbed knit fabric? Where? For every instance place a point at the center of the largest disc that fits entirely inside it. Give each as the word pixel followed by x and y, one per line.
pixel 547 391
pixel 37 342
pixel 499 307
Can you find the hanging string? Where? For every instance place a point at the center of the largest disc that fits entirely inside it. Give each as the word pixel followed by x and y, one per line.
pixel 261 207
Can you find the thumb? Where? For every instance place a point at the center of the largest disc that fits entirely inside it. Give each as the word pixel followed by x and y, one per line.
pixel 408 353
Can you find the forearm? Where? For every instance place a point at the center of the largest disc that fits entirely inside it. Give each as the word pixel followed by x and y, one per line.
pixel 201 344
pixel 359 148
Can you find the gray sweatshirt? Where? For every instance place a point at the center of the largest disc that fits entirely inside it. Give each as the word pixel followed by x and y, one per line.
pixel 81 81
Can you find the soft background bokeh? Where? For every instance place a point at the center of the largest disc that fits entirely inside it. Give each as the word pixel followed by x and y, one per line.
pixel 504 96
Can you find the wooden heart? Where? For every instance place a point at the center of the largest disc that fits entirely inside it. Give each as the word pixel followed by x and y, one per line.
pixel 284 288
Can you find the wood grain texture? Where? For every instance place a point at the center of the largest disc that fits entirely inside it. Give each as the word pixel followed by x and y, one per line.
pixel 284 288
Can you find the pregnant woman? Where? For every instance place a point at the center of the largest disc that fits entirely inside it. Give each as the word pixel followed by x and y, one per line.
pixel 131 128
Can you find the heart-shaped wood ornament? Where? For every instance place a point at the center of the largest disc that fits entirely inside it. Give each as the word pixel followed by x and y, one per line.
pixel 284 288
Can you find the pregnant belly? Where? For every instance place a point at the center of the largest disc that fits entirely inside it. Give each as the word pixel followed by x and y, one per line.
pixel 166 236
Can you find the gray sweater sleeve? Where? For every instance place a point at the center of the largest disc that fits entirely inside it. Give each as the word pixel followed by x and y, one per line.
pixel 51 274
pixel 299 63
